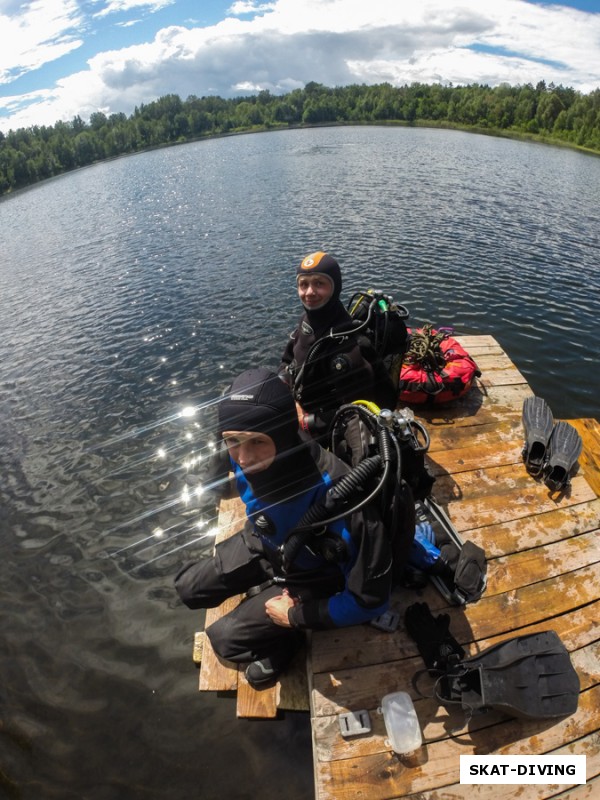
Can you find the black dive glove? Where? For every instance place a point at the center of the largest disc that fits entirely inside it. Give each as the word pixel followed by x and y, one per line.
pixel 435 643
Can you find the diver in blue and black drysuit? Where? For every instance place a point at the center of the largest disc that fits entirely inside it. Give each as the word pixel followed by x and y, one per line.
pixel 341 577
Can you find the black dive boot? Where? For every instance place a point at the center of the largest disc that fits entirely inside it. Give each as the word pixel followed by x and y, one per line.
pixel 264 671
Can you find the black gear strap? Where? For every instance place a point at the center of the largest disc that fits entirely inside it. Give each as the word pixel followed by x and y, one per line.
pixel 435 643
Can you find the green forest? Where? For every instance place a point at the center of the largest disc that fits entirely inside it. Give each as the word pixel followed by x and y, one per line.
pixel 553 114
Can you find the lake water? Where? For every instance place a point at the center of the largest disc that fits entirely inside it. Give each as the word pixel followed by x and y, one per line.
pixel 137 288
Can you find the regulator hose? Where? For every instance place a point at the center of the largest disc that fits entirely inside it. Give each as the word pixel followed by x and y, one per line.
pixel 342 491
pixel 312 353
pixel 344 488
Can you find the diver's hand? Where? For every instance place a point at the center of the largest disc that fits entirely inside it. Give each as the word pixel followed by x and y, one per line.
pixel 277 608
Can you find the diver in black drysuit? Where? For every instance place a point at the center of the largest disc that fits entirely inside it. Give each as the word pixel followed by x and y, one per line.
pixel 342 370
pixel 318 590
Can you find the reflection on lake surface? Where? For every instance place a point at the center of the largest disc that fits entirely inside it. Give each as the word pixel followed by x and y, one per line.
pixel 135 289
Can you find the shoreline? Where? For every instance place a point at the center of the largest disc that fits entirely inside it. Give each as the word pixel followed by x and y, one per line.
pixel 498 133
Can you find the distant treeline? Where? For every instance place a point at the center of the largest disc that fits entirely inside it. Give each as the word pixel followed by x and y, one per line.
pixel 549 113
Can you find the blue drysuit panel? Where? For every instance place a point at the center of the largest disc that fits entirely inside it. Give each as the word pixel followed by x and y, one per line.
pixel 343 608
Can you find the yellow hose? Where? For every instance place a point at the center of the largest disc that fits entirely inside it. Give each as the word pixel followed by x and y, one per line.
pixel 373 407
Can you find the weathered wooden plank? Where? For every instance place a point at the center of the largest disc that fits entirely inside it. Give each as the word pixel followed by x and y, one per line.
pixel 488 452
pixel 290 693
pixel 487 482
pixel 478 498
pixel 508 395
pixel 584 791
pixel 497 429
pixel 472 342
pixel 459 449
pixel 231 518
pixel 293 687
pixel 444 420
pixel 528 566
pixel 216 674
pixel 488 362
pixel 437 722
pixel 587 746
pixel 470 408
pixel 500 430
pixel 526 605
pixel 383 776
pixel 256 704
pixel 490 616
pixel 514 504
pixel 502 377
pixel 199 638
pixel 537 529
pixel 353 688
pixel 589 430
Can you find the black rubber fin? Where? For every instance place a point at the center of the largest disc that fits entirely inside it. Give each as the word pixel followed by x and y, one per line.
pixel 527 676
pixel 564 450
pixel 537 425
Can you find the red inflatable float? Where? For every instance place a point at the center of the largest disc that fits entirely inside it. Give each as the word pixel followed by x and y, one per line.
pixel 435 369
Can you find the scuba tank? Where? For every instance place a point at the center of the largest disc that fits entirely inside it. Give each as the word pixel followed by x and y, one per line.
pixel 373 442
pixel 386 450
pixel 383 319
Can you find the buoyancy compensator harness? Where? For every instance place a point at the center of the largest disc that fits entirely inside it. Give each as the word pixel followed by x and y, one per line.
pixel 329 369
pixel 528 676
pixel 386 452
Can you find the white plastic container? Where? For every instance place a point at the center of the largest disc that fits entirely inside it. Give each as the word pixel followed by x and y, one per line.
pixel 401 722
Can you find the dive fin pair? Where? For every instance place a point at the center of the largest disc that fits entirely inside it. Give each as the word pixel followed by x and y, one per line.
pixel 551 450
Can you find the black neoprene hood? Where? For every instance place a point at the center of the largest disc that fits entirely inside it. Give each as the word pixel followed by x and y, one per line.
pixel 258 400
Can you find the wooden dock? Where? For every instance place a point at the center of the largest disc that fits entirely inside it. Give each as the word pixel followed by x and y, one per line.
pixel 543 554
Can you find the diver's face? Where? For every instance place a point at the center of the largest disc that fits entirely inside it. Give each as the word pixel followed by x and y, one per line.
pixel 253 451
pixel 314 290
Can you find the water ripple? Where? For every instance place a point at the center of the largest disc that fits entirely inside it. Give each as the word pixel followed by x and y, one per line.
pixel 136 288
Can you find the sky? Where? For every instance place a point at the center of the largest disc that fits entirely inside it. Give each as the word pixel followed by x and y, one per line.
pixel 65 58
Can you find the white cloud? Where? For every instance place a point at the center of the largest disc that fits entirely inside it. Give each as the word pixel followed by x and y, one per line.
pixel 334 42
pixel 249 7
pixel 116 6
pixel 129 23
pixel 35 33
